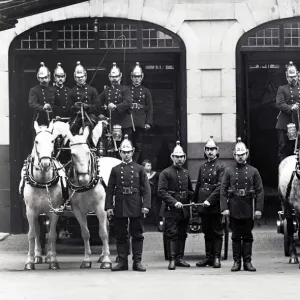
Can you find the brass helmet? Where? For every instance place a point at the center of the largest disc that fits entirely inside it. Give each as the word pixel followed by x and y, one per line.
pixel 126 145
pixel 211 144
pixel 59 70
pixel 43 71
pixel 79 70
pixel 291 74
pixel 115 71
pixel 137 75
pixel 240 148
pixel 178 151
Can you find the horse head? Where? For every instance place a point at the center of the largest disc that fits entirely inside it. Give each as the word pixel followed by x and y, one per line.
pixel 43 147
pixel 81 156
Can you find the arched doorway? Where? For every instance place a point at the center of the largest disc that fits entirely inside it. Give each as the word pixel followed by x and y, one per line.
pixel 262 55
pixel 96 43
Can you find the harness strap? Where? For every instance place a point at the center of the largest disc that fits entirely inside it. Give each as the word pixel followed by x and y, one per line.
pixel 289 186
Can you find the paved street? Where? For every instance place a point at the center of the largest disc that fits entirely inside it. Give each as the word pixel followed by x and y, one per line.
pixel 275 277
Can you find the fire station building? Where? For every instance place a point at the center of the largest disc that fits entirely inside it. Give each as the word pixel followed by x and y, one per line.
pixel 213 68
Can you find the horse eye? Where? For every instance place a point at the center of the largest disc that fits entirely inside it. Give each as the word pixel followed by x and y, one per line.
pixel 36 142
pixel 52 141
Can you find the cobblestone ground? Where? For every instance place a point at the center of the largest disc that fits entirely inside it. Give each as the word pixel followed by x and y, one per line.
pixel 274 279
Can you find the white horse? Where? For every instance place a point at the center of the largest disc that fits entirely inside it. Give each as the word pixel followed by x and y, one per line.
pixel 41 190
pixel 87 193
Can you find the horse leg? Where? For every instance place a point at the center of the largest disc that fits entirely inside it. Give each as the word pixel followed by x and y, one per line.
pixel 29 265
pixel 103 233
pixel 82 220
pixel 53 264
pixel 38 259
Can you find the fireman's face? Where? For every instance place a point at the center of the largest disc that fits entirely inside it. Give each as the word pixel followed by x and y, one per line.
pixel 241 158
pixel 44 80
pixel 60 79
pixel 126 155
pixel 211 153
pixel 292 79
pixel 115 78
pixel 136 79
pixel 80 79
pixel 178 160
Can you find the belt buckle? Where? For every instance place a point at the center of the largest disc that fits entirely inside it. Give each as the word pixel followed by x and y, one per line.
pixel 182 194
pixel 134 105
pixel 242 192
pixel 127 190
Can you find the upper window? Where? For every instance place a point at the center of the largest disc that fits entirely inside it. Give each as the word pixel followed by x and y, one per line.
pixel 282 34
pixel 94 34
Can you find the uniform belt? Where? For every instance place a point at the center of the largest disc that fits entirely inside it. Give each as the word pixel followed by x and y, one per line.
pixel 207 186
pixel 241 192
pixel 138 106
pixel 181 194
pixel 128 190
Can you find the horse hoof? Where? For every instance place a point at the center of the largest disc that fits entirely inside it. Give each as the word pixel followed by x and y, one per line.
pixel 53 266
pixel 105 265
pixel 293 260
pixel 47 260
pixel 38 260
pixel 100 259
pixel 29 266
pixel 86 265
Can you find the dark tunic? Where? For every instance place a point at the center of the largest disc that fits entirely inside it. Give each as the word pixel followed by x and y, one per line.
pixel 174 185
pixel 120 96
pixel 62 101
pixel 287 95
pixel 38 96
pixel 208 186
pixel 124 178
pixel 241 177
pixel 88 95
pixel 142 106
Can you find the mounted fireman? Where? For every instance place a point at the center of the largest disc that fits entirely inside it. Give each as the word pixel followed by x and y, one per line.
pixel 42 96
pixel 116 102
pixel 129 183
pixel 85 103
pixel 207 191
pixel 63 93
pixel 287 101
pixel 142 109
pixel 175 189
pixel 242 198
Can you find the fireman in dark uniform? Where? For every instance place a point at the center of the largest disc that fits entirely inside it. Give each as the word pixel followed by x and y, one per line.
pixel 84 100
pixel 175 189
pixel 242 197
pixel 208 192
pixel 62 99
pixel 116 102
pixel 142 109
pixel 129 183
pixel 287 101
pixel 42 96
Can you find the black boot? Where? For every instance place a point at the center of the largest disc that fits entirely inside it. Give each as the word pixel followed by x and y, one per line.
pixel 247 254
pixel 179 262
pixel 172 252
pixel 217 252
pixel 208 260
pixel 122 249
pixel 137 250
pixel 237 255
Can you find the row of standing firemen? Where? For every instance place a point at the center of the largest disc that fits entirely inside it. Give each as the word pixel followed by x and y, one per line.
pixel 236 191
pixel 128 107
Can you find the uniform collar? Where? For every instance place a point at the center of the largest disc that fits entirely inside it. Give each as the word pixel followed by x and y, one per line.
pixel 135 86
pixel 241 165
pixel 124 163
pixel 81 85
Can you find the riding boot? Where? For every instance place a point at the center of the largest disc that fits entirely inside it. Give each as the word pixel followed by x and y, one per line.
pixel 217 252
pixel 237 255
pixel 208 260
pixel 179 262
pixel 247 253
pixel 137 250
pixel 172 253
pixel 122 249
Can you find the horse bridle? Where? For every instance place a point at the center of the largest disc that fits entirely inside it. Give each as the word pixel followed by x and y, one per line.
pixel 91 158
pixel 37 153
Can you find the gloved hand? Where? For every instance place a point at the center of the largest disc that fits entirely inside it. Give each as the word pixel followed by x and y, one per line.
pixel 226 212
pixel 111 106
pixel 78 104
pixel 110 212
pixel 145 210
pixel 86 106
pixel 47 107
pixel 257 214
pixel 178 204
pixel 295 106
pixel 147 126
pixel 206 203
